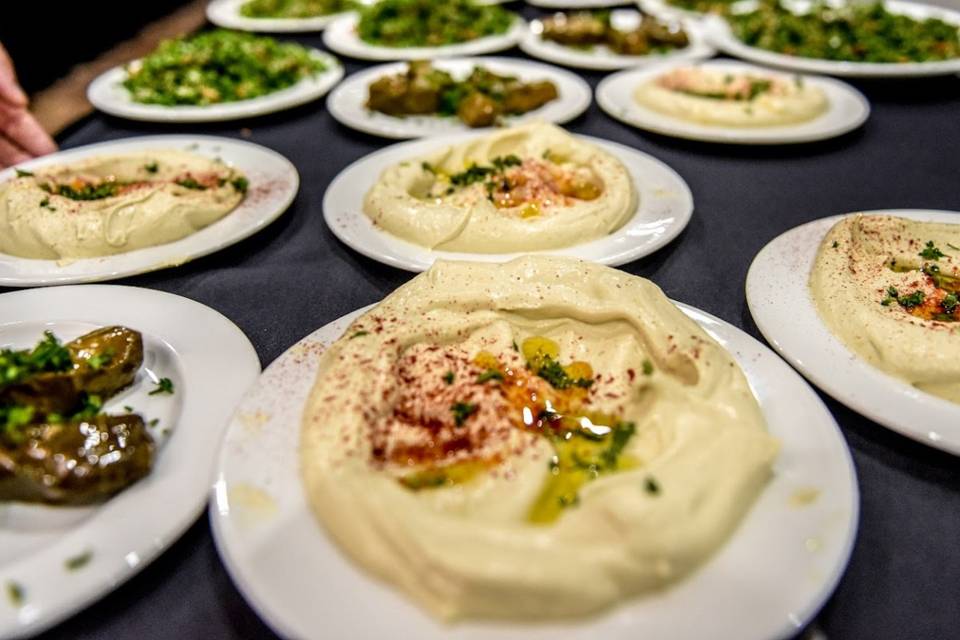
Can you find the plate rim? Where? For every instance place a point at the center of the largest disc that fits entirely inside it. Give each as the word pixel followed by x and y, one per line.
pixel 699 48
pixel 880 409
pixel 307 90
pixel 218 520
pixel 347 44
pixel 407 263
pixel 246 364
pixel 226 14
pixel 721 36
pixel 338 111
pixel 724 134
pixel 163 141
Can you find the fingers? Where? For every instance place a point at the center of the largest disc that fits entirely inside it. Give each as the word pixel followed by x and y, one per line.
pixel 10 91
pixel 10 154
pixel 22 129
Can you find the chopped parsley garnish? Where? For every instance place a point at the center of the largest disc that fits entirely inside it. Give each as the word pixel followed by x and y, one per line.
pixel 621 434
pixel 359 334
pixel 190 183
pixel 448 377
pixel 651 486
pixel 90 407
pixel 23 173
pixel 99 360
pixel 13 418
pixel 915 299
pixel 554 373
pixel 426 166
pixel 931 252
pixel 479 173
pixel 85 191
pixel 15 593
pixel 950 302
pixel 240 183
pixel 164 385
pixel 462 411
pixel 128 408
pixel 48 356
pixel 151 167
pixel 45 204
pixel 78 561
pixel 153 422
pixel 489 374
pixel 647 368
pixel 835 244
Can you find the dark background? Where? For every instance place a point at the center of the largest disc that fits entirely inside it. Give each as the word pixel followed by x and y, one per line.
pixel 904 577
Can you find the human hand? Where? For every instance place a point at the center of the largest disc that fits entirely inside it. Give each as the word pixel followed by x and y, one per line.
pixel 21 136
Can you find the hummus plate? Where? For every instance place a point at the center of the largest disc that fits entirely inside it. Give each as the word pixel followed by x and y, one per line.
pixel 108 94
pixel 347 103
pixel 846 108
pixel 602 58
pixel 665 207
pixel 282 560
pixel 721 36
pixel 61 559
pixel 273 184
pixel 781 304
pixel 341 36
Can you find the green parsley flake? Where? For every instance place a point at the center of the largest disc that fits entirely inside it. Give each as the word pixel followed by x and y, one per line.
pixel 164 385
pixel 15 593
pixel 647 368
pixel 359 334
pixel 462 411
pixel 931 252
pixel 79 561
pixel 651 486
pixel 489 374
pixel 448 377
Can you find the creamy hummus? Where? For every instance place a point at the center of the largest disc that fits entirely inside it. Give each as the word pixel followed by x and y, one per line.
pixel 731 99
pixel 889 287
pixel 112 204
pixel 526 188
pixel 536 439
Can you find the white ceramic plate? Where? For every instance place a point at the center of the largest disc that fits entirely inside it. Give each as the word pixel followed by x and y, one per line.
pixel 664 209
pixel 347 102
pixel 575 4
pixel 769 580
pixel 847 109
pixel 341 36
pixel 108 94
pixel 780 302
pixel 663 9
pixel 226 14
pixel 722 37
pixel 273 185
pixel 211 364
pixel 602 58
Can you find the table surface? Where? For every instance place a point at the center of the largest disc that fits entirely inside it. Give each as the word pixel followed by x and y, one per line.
pixel 278 286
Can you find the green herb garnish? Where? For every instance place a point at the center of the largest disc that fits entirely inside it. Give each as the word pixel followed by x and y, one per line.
pixel 462 411
pixel 647 367
pixel 240 183
pixel 164 385
pixel 489 374
pixel 651 486
pixel 359 334
pixel 15 593
pixel 151 167
pixel 931 252
pixel 78 561
pixel 23 173
pixel 448 377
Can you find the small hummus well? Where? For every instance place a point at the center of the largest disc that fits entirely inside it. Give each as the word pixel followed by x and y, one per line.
pixel 106 205
pixel 526 188
pixel 536 440
pixel 888 287
pixel 732 99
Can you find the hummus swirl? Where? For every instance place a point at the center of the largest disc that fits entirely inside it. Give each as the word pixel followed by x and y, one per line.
pixel 729 99
pixel 421 464
pixel 527 188
pixel 888 287
pixel 112 204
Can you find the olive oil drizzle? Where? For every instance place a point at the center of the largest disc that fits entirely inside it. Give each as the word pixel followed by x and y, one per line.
pixel 586 444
